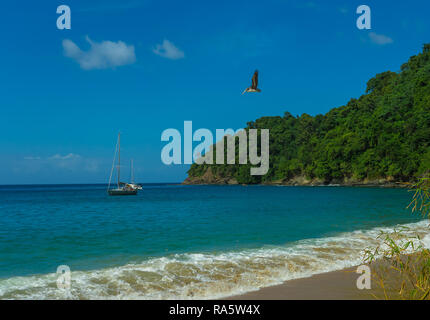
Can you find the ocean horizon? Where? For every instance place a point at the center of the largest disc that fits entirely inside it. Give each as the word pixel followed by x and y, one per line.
pixel 173 241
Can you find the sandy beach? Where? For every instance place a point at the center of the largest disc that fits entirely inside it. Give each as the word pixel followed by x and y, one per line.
pixel 336 285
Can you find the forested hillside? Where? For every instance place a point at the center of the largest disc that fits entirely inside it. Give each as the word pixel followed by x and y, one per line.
pixel 383 135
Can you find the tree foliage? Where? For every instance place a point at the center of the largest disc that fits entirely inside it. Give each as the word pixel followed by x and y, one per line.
pixel 383 134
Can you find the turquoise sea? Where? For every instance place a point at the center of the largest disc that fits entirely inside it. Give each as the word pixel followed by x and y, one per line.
pixel 173 241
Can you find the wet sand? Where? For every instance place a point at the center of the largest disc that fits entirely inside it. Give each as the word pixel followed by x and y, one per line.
pixel 336 285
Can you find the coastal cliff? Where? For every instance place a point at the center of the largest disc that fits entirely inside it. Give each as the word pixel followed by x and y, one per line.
pixel 209 178
pixel 381 138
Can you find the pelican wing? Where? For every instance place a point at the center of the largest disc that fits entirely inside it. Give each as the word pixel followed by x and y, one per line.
pixel 255 80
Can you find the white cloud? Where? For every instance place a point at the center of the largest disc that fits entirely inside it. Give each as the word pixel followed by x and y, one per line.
pixel 70 156
pixel 168 50
pixel 71 161
pixel 68 161
pixel 380 38
pixel 101 55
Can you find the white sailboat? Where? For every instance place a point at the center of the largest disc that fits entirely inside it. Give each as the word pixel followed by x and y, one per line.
pixel 133 184
pixel 122 188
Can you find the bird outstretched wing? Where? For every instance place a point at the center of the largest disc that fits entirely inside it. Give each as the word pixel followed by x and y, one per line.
pixel 255 80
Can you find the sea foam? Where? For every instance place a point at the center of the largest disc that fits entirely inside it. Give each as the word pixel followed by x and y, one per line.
pixel 210 275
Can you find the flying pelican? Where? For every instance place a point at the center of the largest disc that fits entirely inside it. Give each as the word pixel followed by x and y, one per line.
pixel 254 85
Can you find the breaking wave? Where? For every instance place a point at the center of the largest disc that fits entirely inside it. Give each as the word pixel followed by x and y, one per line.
pixel 209 275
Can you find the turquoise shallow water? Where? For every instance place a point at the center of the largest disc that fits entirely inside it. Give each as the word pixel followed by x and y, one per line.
pixel 183 241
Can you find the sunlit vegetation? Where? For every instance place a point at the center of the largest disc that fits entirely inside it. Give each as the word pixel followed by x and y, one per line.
pixel 384 134
pixel 403 268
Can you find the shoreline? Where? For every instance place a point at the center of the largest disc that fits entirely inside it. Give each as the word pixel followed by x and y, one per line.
pixel 342 284
pixel 398 185
pixel 212 178
pixel 333 285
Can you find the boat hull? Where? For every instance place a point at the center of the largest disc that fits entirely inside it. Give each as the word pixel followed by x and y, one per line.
pixel 120 192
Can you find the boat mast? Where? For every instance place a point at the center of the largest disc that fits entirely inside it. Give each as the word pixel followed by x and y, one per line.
pixel 119 156
pixel 132 172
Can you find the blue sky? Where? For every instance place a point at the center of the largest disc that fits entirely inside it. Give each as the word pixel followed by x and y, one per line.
pixel 141 67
